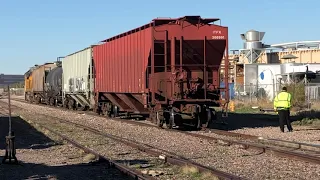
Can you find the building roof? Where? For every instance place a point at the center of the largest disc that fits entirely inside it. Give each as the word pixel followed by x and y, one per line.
pixel 298 44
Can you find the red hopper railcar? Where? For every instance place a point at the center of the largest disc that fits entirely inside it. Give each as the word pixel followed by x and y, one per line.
pixel 168 69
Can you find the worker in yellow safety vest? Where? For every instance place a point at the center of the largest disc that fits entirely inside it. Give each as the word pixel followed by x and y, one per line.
pixel 282 104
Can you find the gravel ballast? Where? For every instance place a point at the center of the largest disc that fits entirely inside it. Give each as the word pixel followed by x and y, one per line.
pixel 118 152
pixel 300 133
pixel 232 159
pixel 41 157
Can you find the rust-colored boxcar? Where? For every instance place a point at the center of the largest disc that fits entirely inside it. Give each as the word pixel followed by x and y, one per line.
pixel 35 82
pixel 168 69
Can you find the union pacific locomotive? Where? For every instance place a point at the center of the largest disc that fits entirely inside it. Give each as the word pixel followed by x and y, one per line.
pixel 168 70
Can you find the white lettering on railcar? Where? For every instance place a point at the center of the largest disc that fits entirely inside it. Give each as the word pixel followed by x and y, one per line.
pixel 218 37
pixel 216 32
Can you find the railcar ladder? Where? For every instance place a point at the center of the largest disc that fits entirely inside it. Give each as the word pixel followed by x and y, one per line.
pixel 164 44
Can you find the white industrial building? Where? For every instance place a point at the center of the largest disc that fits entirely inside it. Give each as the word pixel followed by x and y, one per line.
pixel 268 77
pixel 260 67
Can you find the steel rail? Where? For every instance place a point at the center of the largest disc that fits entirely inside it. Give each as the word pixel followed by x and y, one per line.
pixel 180 161
pixel 247 136
pixel 283 153
pixel 128 171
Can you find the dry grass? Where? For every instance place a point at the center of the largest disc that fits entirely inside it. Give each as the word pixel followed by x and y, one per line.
pixel 246 107
pixel 315 105
pixel 89 157
pixel 298 101
pixel 195 174
pixel 189 170
pixel 298 94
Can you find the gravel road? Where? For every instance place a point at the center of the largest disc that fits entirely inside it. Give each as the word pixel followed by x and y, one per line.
pixel 232 159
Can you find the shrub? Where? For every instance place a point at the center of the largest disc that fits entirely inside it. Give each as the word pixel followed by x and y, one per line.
pixel 297 90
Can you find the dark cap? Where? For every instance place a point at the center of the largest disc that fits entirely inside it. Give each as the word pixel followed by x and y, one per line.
pixel 284 88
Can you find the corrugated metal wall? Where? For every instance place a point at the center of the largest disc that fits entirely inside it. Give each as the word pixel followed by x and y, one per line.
pixel 38 77
pixel 121 64
pixel 76 71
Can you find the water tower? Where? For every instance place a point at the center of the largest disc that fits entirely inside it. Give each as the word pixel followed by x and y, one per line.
pixel 252 47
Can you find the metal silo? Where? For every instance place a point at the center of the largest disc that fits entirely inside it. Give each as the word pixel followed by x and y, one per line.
pixel 252 47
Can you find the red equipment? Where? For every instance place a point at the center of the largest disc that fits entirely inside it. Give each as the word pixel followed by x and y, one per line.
pixel 168 69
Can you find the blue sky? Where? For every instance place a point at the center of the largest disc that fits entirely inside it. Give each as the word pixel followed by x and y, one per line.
pixel 34 31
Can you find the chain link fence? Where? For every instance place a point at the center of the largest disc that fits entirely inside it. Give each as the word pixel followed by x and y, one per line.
pixel 254 93
pixel 13 91
pixel 304 94
pixel 17 91
pixel 313 92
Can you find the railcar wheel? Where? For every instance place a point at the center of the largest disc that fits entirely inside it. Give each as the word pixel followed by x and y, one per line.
pixel 210 117
pixel 115 112
pixel 97 109
pixel 153 117
pixel 51 102
pixel 81 108
pixel 71 104
pixel 159 119
pixel 65 104
pixel 109 114
pixel 128 115
pixel 170 120
pixel 38 100
pixel 30 99
pixel 198 118
pixel 107 109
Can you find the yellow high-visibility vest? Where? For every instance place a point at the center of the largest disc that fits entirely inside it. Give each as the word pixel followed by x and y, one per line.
pixel 282 101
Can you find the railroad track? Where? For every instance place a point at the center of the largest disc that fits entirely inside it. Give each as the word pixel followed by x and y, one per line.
pixel 276 146
pixel 307 147
pixel 155 153
pixel 111 164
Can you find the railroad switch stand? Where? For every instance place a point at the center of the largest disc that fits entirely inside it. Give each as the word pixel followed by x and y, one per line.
pixel 10 156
